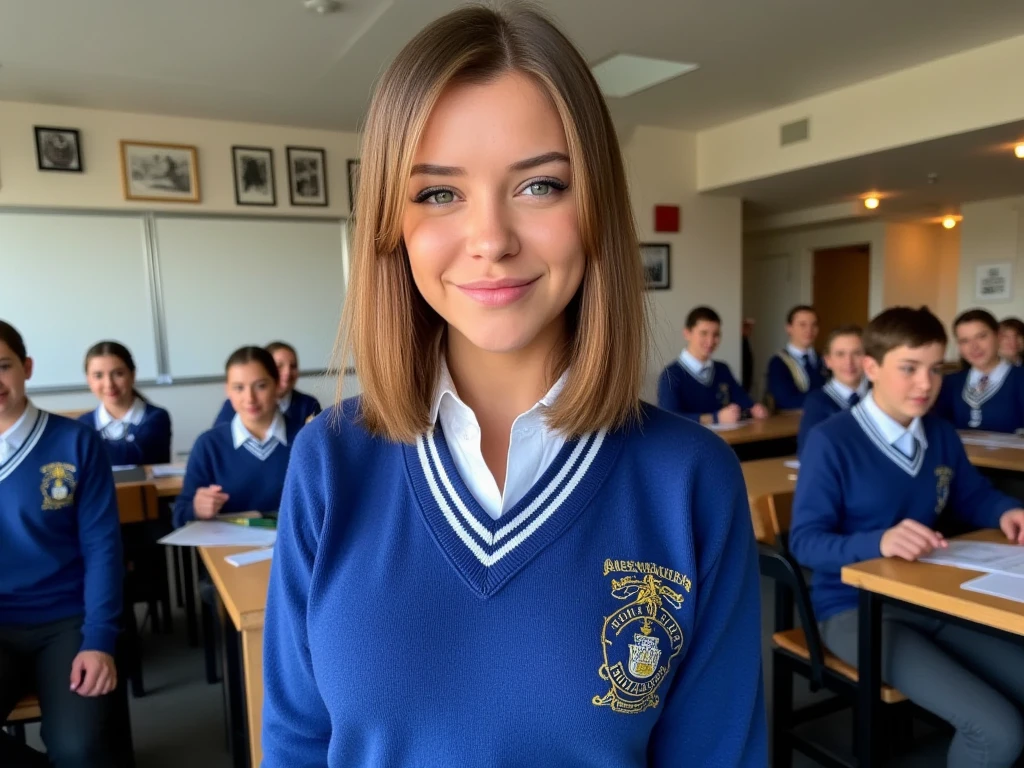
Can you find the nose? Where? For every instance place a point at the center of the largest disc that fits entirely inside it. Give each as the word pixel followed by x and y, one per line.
pixel 491 234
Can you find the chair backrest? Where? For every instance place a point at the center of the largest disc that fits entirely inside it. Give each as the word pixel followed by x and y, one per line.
pixel 137 503
pixel 771 515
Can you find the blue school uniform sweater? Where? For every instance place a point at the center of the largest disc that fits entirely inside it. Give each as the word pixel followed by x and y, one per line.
pixel 251 476
pixel 820 405
pixel 148 442
pixel 784 389
pixel 60 533
pixel 1001 406
pixel 853 487
pixel 610 618
pixel 300 410
pixel 683 392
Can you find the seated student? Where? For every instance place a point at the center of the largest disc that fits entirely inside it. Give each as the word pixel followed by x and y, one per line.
pixel 1011 340
pixel 60 575
pixel 873 481
pixel 988 395
pixel 239 466
pixel 844 357
pixel 297 407
pixel 796 370
pixel 698 387
pixel 134 430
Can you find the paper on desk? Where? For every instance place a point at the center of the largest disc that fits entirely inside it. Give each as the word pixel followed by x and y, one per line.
pixel 792 464
pixel 167 470
pixel 997 585
pixel 992 439
pixel 213 533
pixel 981 556
pixel 727 427
pixel 250 557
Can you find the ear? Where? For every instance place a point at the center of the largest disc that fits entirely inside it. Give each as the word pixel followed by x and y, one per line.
pixel 687 334
pixel 27 365
pixel 871 367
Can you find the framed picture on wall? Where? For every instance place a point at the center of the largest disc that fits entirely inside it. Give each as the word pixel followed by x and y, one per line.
pixel 993 282
pixel 159 172
pixel 307 176
pixel 254 175
pixel 58 149
pixel 657 262
pixel 353 183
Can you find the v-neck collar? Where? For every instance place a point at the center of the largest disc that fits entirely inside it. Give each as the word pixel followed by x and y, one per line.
pixel 35 422
pixel 975 399
pixel 487 552
pixel 909 464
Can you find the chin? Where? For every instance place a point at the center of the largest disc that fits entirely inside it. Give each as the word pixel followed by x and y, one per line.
pixel 500 338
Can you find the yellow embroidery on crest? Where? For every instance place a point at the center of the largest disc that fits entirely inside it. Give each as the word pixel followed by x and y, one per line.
pixel 58 485
pixel 943 477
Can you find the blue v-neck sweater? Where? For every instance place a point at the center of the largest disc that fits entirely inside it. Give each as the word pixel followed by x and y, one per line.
pixel 610 618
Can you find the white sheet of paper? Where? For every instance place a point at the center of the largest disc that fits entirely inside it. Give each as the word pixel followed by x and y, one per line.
pixel 792 464
pixel 981 556
pixel 248 558
pixel 212 533
pixel 727 427
pixel 167 470
pixel 992 439
pixel 998 585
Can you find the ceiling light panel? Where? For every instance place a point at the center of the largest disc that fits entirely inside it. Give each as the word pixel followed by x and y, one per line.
pixel 624 74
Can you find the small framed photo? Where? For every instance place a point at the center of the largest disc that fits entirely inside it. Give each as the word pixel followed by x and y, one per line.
pixel 167 173
pixel 353 184
pixel 254 175
pixel 657 261
pixel 58 149
pixel 307 176
pixel 993 282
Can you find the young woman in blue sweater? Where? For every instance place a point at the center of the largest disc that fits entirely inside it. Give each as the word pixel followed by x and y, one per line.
pixel 497 555
pixel 60 574
pixel 298 407
pixel 134 430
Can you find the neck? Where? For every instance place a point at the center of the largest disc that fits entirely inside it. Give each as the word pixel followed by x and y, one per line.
pixel 259 429
pixel 121 407
pixel 853 384
pixel 698 356
pixel 902 419
pixel 802 348
pixel 988 367
pixel 9 419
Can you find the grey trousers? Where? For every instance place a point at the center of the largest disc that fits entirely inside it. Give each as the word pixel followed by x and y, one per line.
pixel 972 680
pixel 75 729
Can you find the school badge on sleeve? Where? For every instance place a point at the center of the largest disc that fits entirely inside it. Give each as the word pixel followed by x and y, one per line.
pixel 641 638
pixel 58 485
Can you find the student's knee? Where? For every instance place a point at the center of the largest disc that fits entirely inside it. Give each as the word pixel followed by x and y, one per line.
pixel 79 744
pixel 995 732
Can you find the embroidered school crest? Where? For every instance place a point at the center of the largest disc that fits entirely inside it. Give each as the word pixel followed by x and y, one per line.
pixel 723 394
pixel 943 477
pixel 58 485
pixel 641 638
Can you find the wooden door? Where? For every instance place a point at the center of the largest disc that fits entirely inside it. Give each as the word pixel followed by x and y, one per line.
pixel 842 278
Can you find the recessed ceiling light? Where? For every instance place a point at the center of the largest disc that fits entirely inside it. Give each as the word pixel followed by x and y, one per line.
pixel 949 222
pixel 1019 151
pixel 323 6
pixel 871 202
pixel 624 74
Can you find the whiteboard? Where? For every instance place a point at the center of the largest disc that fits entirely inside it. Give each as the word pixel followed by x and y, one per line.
pixel 227 283
pixel 69 280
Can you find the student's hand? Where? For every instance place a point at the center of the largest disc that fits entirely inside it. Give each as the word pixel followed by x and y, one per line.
pixel 729 415
pixel 1012 524
pixel 910 540
pixel 759 411
pixel 93 673
pixel 208 502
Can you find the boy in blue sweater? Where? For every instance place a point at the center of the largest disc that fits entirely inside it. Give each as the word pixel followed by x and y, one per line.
pixel 60 574
pixel 699 388
pixel 796 369
pixel 873 481
pixel 844 357
pixel 989 395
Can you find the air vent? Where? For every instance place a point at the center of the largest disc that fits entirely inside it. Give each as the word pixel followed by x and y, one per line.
pixel 790 133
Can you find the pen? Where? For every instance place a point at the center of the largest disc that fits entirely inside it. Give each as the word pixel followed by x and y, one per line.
pixel 254 522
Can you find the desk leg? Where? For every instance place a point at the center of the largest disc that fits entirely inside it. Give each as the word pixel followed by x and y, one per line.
pixel 234 683
pixel 188 570
pixel 252 663
pixel 869 670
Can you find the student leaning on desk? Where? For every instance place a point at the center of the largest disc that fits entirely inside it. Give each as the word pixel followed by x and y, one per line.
pixel 873 481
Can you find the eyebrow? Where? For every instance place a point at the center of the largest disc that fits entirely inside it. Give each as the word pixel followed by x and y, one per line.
pixel 427 169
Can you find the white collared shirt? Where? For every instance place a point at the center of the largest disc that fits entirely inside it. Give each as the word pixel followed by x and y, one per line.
pixel 115 429
pixel 902 438
pixel 704 371
pixel 15 436
pixel 239 434
pixel 995 378
pixel 798 353
pixel 531 450
pixel 284 402
pixel 845 392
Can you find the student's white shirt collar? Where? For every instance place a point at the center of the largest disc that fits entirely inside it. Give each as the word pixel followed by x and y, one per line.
pixel 239 434
pixel 845 391
pixel 532 445
pixel 994 379
pixel 285 402
pixel 894 432
pixel 133 416
pixel 799 353
pixel 695 366
pixel 15 436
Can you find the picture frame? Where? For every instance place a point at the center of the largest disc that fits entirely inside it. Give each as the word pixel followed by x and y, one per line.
pixel 157 172
pixel 353 184
pixel 58 149
pixel 253 171
pixel 307 176
pixel 993 282
pixel 657 259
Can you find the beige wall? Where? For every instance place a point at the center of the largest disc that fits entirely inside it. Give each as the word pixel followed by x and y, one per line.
pixel 992 232
pixel 911 276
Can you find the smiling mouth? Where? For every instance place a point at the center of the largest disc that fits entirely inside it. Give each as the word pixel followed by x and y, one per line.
pixel 498 293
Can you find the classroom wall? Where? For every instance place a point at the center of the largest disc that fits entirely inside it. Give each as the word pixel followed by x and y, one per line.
pixel 911 276
pixel 992 232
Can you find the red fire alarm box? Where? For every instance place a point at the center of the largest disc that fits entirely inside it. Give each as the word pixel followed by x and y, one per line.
pixel 666 218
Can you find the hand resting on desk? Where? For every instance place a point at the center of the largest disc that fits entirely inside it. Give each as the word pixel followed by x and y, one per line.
pixel 1012 524
pixel 910 540
pixel 209 501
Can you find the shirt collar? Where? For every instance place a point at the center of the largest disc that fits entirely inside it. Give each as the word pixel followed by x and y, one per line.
pixel 18 433
pixel 239 434
pixel 695 366
pixel 845 391
pixel 994 379
pixel 892 431
pixel 285 402
pixel 133 416
pixel 799 353
pixel 445 391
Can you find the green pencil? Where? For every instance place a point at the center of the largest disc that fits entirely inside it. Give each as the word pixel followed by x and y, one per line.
pixel 254 522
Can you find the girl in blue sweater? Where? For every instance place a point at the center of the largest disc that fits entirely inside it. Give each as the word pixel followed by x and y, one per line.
pixel 298 407
pixel 844 357
pixel 134 430
pixel 497 555
pixel 60 574
pixel 239 466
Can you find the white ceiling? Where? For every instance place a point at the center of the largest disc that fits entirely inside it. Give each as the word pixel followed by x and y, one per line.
pixel 271 61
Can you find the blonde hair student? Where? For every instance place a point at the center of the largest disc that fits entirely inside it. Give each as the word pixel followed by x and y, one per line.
pixel 527 544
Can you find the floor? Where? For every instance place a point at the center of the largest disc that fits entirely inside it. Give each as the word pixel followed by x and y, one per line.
pixel 180 720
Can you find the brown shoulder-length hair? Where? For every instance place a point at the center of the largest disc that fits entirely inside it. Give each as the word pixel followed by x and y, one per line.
pixel 393 336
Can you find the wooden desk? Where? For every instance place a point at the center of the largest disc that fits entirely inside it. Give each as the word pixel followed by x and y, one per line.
pixel 243 593
pixel 766 477
pixel 1008 459
pixel 166 487
pixel 781 426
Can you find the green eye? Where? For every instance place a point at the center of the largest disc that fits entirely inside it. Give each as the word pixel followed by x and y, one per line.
pixel 442 197
pixel 539 189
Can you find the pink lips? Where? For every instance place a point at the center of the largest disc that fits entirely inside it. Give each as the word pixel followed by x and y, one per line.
pixel 497 293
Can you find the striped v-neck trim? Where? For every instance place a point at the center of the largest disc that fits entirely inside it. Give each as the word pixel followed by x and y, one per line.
pixel 707 380
pixel 26 447
pixel 971 396
pixel 261 452
pixel 832 392
pixel 488 552
pixel 909 465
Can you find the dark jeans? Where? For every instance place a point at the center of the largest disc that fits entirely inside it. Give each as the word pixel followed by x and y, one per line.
pixel 76 730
